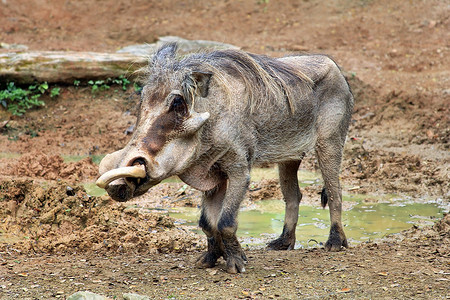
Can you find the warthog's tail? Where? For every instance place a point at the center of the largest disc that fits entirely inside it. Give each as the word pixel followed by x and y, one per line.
pixel 324 197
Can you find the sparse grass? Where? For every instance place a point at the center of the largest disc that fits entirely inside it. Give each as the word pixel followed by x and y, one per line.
pixel 18 100
pixel 103 85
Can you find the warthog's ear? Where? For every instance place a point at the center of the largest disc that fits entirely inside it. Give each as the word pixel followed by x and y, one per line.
pixel 165 53
pixel 196 83
pixel 202 79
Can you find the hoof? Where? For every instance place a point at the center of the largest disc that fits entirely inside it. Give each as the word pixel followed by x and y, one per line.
pixel 281 244
pixel 236 263
pixel 336 247
pixel 336 240
pixel 206 260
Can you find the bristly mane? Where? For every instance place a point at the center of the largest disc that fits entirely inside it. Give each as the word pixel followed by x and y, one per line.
pixel 265 78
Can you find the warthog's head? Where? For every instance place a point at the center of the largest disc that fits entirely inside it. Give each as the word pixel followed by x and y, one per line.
pixel 166 137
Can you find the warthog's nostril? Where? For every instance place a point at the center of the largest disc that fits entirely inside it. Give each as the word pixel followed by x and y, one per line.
pixel 138 161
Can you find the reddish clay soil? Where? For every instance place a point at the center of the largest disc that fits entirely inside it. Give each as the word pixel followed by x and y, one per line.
pixel 396 56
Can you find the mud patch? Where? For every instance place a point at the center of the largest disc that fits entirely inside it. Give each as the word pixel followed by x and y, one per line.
pixel 169 194
pixel 265 189
pixel 427 126
pixel 53 167
pixel 399 172
pixel 63 218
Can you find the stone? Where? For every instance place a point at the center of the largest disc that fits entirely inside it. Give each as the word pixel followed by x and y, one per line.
pixel 86 296
pixel 131 296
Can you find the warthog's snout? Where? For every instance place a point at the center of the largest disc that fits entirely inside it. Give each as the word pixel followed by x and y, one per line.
pixel 134 172
pixel 124 183
pixel 121 183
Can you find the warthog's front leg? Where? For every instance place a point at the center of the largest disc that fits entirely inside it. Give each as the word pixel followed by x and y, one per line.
pixel 215 251
pixel 336 239
pixel 227 223
pixel 211 208
pixel 218 222
pixel 234 255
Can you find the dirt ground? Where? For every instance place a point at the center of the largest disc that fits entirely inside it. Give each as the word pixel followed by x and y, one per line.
pixel 55 239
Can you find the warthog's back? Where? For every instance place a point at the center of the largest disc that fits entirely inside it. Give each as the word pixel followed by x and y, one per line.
pixel 284 134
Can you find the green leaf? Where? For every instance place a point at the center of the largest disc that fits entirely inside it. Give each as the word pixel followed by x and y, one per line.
pixel 55 92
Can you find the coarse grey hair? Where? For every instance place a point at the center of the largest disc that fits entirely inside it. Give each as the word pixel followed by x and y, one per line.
pixel 267 80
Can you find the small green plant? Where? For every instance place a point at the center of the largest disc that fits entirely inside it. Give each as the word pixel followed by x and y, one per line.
pixel 55 92
pixel 121 80
pixel 103 85
pixel 98 85
pixel 18 100
pixel 137 88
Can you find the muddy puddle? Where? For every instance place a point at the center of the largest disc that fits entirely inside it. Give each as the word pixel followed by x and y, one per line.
pixel 366 218
pixel 363 222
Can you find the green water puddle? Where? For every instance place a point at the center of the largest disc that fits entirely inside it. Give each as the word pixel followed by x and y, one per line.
pixel 263 221
pixel 9 155
pixel 362 222
pixel 96 158
pixel 93 190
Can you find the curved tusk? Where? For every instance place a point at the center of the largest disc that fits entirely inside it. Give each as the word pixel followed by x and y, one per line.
pixel 110 176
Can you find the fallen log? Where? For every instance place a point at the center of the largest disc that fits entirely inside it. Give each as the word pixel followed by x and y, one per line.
pixel 65 67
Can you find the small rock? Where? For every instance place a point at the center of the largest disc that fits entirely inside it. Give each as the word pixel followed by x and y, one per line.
pixel 86 296
pixel 432 24
pixel 131 296
pixel 70 191
pixel 212 272
pixel 129 130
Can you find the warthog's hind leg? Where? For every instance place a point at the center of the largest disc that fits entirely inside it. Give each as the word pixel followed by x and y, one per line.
pixel 292 197
pixel 329 153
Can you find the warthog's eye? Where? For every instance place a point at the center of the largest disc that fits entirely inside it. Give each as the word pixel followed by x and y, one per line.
pixel 179 105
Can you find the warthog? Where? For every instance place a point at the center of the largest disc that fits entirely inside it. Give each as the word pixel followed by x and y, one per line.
pixel 209 117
